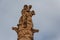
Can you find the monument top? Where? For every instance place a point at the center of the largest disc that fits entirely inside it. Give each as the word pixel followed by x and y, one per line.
pixel 24 28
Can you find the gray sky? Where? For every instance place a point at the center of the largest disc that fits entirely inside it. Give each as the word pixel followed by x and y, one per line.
pixel 47 18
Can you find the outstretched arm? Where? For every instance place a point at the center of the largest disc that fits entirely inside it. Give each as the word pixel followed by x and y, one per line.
pixel 15 28
pixel 35 30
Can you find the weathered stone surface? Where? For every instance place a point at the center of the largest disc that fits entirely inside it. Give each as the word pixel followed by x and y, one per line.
pixel 24 28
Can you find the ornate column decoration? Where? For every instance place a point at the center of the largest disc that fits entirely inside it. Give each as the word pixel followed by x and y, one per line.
pixel 24 28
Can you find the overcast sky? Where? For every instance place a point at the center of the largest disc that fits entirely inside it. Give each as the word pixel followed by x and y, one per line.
pixel 47 18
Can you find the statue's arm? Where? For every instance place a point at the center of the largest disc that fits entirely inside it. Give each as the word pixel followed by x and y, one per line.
pixel 33 12
pixel 15 28
pixel 35 30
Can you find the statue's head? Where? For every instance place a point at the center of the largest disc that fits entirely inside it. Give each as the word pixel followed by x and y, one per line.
pixel 30 6
pixel 25 7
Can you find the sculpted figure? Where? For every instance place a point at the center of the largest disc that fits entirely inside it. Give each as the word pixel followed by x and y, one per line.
pixel 29 18
pixel 26 18
pixel 23 19
pixel 23 12
pixel 25 29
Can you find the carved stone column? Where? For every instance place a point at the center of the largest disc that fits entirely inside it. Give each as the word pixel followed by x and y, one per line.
pixel 24 28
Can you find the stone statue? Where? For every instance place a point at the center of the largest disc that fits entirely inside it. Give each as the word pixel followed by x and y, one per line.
pixel 24 28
